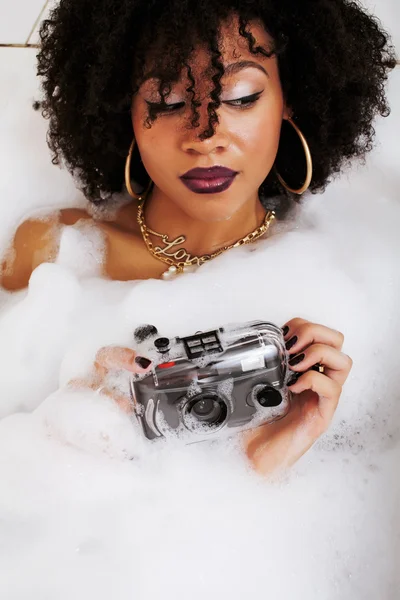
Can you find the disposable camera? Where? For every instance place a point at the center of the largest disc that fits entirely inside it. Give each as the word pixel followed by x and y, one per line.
pixel 211 383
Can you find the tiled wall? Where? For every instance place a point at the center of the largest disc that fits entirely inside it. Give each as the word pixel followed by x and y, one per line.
pixel 19 19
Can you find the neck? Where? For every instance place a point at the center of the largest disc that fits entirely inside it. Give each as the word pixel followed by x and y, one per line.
pixel 202 237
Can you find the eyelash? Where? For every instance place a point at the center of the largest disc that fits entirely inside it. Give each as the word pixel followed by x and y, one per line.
pixel 245 102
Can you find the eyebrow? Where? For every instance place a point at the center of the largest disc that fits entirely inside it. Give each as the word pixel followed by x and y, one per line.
pixel 243 64
pixel 229 70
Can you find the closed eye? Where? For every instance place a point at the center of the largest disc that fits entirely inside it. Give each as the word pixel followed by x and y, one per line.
pixel 162 107
pixel 241 103
pixel 245 102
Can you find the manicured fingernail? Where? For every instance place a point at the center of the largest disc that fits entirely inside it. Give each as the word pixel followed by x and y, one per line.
pixel 291 342
pixel 296 360
pixel 142 362
pixel 293 379
pixel 285 330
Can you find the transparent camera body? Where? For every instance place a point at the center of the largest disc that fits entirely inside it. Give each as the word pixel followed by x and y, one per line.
pixel 212 383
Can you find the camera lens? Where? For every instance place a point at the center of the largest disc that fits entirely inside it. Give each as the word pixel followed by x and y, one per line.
pixel 204 408
pixel 268 397
pixel 207 409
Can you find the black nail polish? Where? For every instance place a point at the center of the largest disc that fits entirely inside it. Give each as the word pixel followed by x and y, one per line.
pixel 142 362
pixel 291 342
pixel 293 379
pixel 285 330
pixel 296 360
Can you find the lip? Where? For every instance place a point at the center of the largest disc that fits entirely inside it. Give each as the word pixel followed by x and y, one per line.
pixel 209 173
pixel 212 180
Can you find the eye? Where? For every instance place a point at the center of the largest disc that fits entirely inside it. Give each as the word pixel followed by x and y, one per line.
pixel 163 108
pixel 245 102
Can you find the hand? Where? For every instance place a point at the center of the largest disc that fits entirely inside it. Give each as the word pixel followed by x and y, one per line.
pixel 276 446
pixel 109 360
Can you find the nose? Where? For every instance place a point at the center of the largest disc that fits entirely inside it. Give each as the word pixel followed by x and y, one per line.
pixel 194 142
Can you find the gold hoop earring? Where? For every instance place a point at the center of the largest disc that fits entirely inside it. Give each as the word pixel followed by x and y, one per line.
pixel 307 152
pixel 128 176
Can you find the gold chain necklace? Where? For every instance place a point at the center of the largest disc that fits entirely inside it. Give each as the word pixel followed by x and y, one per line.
pixel 181 261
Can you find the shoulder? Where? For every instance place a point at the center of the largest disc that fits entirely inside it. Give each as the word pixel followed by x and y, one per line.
pixel 36 241
pixel 70 216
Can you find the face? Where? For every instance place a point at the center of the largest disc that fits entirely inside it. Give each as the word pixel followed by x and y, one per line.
pixel 245 140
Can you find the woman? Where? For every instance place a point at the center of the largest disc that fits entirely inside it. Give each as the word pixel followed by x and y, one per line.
pixel 215 115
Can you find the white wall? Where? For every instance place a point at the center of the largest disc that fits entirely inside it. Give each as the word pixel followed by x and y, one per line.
pixel 388 12
pixel 19 18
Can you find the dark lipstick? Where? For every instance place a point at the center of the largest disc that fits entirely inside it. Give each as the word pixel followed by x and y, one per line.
pixel 211 180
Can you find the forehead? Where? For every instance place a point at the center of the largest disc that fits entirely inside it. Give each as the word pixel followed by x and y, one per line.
pixel 232 46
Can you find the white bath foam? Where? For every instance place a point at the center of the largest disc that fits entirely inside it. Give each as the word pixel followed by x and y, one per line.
pixel 169 523
pixel 33 332
pixel 83 237
pixel 89 510
pixel 172 520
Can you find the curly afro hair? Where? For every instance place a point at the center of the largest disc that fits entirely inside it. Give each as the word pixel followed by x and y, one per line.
pixel 333 59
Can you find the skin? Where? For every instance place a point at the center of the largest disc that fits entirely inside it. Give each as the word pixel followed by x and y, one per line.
pixel 246 140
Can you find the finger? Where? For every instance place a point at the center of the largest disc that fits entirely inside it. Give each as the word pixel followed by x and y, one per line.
pixel 124 402
pixel 115 357
pixel 302 334
pixel 291 325
pixel 337 364
pixel 327 389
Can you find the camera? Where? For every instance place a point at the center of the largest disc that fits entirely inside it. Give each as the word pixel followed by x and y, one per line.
pixel 211 383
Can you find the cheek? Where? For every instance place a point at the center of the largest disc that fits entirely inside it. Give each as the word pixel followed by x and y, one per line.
pixel 146 138
pixel 258 136
pixel 153 143
pixel 258 130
